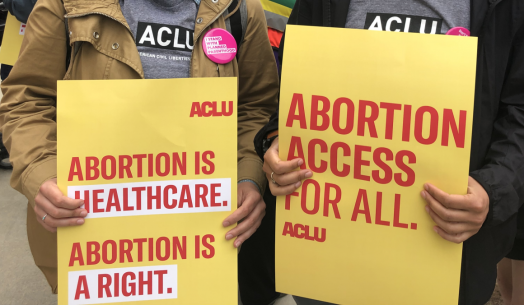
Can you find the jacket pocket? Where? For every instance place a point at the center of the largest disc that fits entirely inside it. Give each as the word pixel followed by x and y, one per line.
pixel 88 64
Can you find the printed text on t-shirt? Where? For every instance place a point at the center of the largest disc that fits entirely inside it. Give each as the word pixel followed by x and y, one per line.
pixel 163 36
pixel 402 23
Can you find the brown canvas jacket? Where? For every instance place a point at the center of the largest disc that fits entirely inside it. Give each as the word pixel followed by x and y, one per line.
pixel 108 51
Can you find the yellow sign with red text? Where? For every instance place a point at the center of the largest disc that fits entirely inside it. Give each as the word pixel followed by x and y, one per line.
pixel 12 40
pixel 374 115
pixel 155 163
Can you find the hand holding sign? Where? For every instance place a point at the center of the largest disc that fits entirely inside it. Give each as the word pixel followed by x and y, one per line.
pixel 283 172
pixel 53 209
pixel 458 217
pixel 251 210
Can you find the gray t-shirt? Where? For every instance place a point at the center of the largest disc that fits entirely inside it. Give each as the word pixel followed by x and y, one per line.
pixel 163 31
pixel 415 16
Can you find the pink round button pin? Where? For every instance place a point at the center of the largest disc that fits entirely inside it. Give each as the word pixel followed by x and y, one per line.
pixel 219 46
pixel 458 31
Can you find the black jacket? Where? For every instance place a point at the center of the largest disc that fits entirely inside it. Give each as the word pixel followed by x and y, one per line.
pixel 497 148
pixel 21 9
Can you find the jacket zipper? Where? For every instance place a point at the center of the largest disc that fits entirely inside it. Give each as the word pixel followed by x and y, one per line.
pixel 196 38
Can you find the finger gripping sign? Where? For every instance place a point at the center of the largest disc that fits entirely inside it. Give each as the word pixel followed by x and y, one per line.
pixel 157 183
pixel 380 115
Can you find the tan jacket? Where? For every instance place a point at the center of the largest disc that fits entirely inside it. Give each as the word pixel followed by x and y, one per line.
pixel 108 51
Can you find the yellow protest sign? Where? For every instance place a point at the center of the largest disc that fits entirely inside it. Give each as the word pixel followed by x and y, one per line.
pixel 374 115
pixel 12 42
pixel 155 162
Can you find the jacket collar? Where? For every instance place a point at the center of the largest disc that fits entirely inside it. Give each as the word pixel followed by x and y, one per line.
pixel 111 9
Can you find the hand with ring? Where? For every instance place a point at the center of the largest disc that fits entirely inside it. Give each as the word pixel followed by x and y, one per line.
pixel 273 180
pixel 53 209
pixel 283 176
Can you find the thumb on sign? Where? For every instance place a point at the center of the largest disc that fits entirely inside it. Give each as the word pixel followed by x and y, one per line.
pixel 458 217
pixel 283 177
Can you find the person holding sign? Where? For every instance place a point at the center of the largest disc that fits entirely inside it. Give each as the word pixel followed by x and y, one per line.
pixel 131 39
pixel 484 219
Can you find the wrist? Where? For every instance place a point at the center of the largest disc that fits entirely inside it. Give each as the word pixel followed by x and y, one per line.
pixel 266 142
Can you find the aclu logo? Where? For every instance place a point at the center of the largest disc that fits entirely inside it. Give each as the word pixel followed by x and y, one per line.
pixel 164 36
pixel 22 29
pixel 402 23
pixel 207 109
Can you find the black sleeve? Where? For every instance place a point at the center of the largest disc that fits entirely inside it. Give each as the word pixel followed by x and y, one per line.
pixel 301 14
pixel 502 176
pixel 21 9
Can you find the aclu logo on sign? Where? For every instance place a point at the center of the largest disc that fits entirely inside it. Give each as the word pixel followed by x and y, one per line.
pixel 163 36
pixel 22 29
pixel 207 109
pixel 402 23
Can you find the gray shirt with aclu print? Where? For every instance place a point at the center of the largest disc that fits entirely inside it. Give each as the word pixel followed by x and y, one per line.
pixel 415 16
pixel 163 31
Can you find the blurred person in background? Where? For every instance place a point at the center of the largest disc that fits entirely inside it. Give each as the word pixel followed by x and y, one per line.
pixel 4 72
pixel 510 270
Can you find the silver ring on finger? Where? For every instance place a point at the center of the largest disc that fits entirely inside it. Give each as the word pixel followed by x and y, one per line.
pixel 43 218
pixel 273 180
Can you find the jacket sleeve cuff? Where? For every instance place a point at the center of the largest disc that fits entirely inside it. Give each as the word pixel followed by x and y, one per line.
pixel 35 176
pixel 478 177
pixel 251 169
pixel 272 125
pixel 251 181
